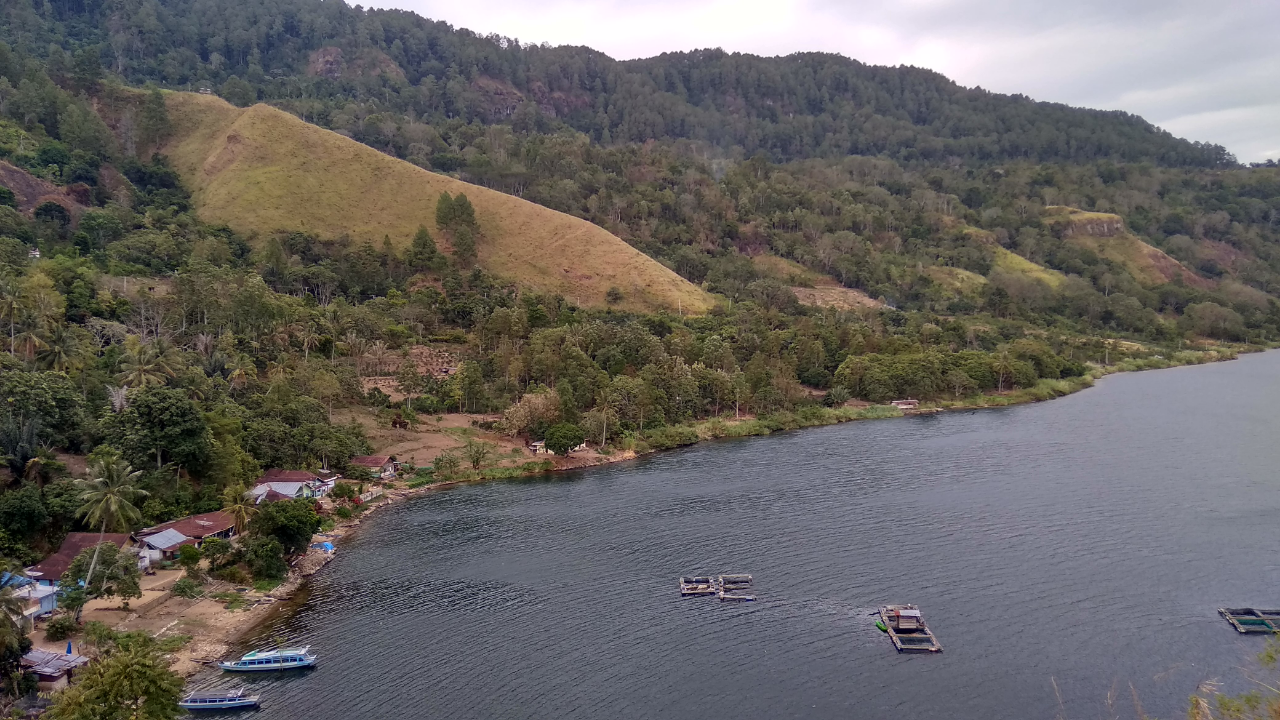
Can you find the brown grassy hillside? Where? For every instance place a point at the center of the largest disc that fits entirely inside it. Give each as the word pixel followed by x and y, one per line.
pixel 1106 235
pixel 260 169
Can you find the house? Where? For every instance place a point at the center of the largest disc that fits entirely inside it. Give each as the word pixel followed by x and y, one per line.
pixel 162 541
pixel 276 484
pixel 905 404
pixel 49 570
pixel 40 600
pixel 539 447
pixel 53 670
pixel 380 466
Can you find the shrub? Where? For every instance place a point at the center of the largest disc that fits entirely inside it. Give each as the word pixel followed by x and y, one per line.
pixel 60 628
pixel 187 588
pixel 671 437
pixel 232 574
pixel 343 512
pixel 265 557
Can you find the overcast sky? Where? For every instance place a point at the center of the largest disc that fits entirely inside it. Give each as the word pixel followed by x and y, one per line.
pixel 1202 69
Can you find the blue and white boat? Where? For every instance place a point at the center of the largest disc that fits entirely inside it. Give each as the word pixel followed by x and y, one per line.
pixel 218 700
pixel 279 659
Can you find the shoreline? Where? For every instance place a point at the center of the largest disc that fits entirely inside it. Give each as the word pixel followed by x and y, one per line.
pixel 218 629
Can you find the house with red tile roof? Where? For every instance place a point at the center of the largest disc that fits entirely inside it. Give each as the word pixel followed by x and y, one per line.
pixel 380 466
pixel 163 541
pixel 49 570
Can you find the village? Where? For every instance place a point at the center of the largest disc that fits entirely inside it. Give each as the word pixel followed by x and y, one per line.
pixel 206 626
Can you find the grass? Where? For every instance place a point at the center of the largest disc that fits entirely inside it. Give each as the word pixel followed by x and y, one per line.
pixel 173 643
pixel 1011 262
pixel 1147 264
pixel 266 586
pixel 956 280
pixel 261 170
pixel 231 600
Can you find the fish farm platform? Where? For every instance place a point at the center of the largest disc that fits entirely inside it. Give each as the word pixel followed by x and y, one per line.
pixel 729 588
pixel 1250 620
pixel 918 638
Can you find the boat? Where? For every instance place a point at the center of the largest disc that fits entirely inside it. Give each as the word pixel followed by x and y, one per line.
pixel 905 627
pixel 218 700
pixel 279 659
pixel 881 626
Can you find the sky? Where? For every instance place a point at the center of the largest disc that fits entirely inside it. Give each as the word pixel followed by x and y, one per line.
pixel 1205 70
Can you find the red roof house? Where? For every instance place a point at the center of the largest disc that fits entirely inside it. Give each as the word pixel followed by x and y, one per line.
pixel 378 465
pixel 50 569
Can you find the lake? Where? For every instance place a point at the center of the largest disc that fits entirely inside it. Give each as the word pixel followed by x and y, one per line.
pixel 1060 551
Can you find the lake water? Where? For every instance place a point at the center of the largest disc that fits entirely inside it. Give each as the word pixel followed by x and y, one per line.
pixel 1084 543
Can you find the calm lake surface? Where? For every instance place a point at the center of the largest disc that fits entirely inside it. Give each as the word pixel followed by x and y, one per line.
pixel 1086 542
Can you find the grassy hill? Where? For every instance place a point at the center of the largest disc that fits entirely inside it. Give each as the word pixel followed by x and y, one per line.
pixel 261 169
pixel 1106 235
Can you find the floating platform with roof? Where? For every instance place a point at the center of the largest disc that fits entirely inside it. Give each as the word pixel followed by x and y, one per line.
pixel 1252 620
pixel 906 628
pixel 728 587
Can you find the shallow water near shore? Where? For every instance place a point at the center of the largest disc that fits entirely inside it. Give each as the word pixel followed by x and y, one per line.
pixel 1085 543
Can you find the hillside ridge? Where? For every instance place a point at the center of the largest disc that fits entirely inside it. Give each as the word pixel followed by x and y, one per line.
pixel 262 170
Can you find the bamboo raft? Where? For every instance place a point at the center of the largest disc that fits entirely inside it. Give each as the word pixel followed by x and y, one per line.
pixel 906 628
pixel 729 587
pixel 1250 620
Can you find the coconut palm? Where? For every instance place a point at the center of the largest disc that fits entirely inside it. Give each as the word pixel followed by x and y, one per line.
pixel 242 371
pixel 9 307
pixel 378 353
pixel 108 496
pixel 61 352
pixel 1004 367
pixel 309 339
pixel 236 501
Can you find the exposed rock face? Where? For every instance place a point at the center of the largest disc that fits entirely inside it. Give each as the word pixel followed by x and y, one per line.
pixel 1094 225
pixel 332 63
pixel 32 192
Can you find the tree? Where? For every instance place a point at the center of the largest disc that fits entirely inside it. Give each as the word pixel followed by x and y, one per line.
pixel 131 682
pixel 215 550
pixel 154 125
pixel 238 92
pixel 477 453
pixel 959 382
pixel 292 522
pixel 446 465
pixel 563 438
pixel 160 422
pixel 236 501
pixel 189 559
pixel 108 496
pixel 116 575
pixel 265 558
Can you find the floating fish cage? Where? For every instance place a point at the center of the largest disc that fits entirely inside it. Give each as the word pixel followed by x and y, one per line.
pixel 729 588
pixel 906 628
pixel 1252 620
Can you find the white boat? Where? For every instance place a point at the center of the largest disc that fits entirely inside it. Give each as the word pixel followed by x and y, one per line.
pixel 218 700
pixel 279 659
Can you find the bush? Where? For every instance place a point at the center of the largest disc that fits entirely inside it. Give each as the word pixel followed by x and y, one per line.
pixel 232 575
pixel 265 557
pixel 60 628
pixel 671 437
pixel 343 512
pixel 187 588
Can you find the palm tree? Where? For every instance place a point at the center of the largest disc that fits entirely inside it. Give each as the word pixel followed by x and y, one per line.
pixel 1003 367
pixel 140 365
pixel 9 306
pixel 242 371
pixel 378 354
pixel 108 495
pixel 309 339
pixel 236 501
pixel 62 351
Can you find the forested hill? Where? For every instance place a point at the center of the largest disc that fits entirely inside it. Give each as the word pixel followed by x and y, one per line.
pixel 795 107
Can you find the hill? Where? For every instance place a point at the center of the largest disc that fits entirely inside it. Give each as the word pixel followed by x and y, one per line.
pixel 1105 234
pixel 262 170
pixel 788 108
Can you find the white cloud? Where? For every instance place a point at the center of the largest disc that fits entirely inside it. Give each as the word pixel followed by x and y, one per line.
pixel 1204 69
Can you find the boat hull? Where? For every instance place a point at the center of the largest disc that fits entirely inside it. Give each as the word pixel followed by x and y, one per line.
pixel 228 705
pixel 274 667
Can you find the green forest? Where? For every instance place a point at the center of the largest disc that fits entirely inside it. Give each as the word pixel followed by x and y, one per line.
pixel 1007 249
